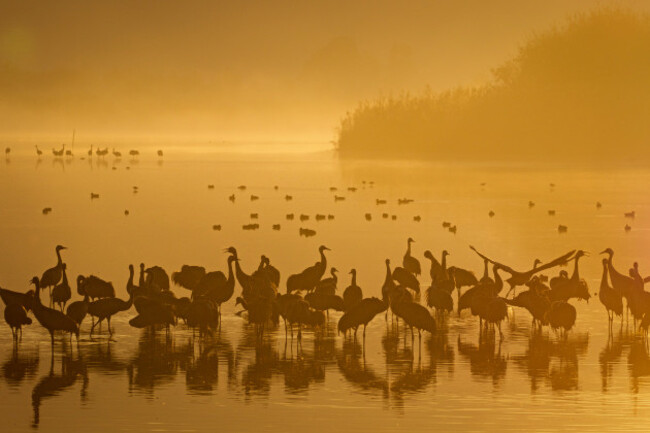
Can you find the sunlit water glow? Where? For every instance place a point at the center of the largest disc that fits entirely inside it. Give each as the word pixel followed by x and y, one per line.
pixel 455 381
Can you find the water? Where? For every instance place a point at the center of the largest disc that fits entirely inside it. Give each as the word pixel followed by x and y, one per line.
pixel 456 381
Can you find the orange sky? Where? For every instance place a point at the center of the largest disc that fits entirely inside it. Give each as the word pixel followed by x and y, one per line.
pixel 242 70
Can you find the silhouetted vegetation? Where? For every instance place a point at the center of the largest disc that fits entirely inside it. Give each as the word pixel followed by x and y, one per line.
pixel 577 92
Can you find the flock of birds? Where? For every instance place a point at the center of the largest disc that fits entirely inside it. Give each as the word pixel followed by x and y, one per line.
pixel 99 152
pixel 310 295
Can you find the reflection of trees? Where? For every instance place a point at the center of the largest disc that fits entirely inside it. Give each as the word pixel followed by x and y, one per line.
pixel 53 384
pixel 485 360
pixel 20 366
pixel 555 361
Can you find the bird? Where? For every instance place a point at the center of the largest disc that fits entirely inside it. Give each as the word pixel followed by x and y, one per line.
pixel 134 152
pixel 328 285
pixel 117 154
pixel 361 314
pixel 39 152
pixel 574 287
pixel 95 287
pixel 260 311
pixel 52 276
pixel 61 293
pixel 49 318
pixel 352 294
pixel 406 279
pixel 222 291
pixel 520 278
pixel 438 270
pixel 269 270
pixel 409 262
pixel 16 317
pixel 90 151
pixel 23 299
pixel 160 153
pixel 78 310
pixel 59 153
pixel 561 315
pixel 388 287
pixel 610 297
pixel 321 301
pixel 414 315
pixel 439 299
pixel 622 283
pixel 308 278
pixel 105 308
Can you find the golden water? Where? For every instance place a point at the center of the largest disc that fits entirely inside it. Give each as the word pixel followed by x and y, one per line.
pixel 455 382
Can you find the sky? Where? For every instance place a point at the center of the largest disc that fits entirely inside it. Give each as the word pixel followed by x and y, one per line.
pixel 243 70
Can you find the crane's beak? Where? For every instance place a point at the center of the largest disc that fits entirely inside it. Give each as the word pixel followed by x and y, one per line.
pixel 603 252
pixel 587 253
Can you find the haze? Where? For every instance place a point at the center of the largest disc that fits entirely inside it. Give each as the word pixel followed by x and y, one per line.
pixel 232 70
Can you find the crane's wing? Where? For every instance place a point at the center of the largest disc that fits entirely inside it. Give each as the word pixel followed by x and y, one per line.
pixel 559 261
pixel 500 265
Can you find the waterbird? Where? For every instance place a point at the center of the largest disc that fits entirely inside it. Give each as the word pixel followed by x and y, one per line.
pixel 93 195
pixel 562 228
pixel 49 318
pixel 95 287
pixel 78 310
pixel 16 318
pixel 610 297
pixel 352 294
pixel 409 262
pixel 160 153
pixel 59 153
pixel 52 276
pixel 328 285
pixel 561 315
pixel 414 315
pixel 105 308
pixel 361 313
pixel 631 214
pixel 406 279
pixel 61 293
pixel 39 152
pixel 116 153
pixel 518 278
pixel 309 277
pixel 134 152
pixel 11 297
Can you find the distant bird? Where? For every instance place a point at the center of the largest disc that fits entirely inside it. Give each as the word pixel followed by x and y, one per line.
pixel 409 262
pixel 160 153
pixel 627 228
pixel 7 151
pixel 453 229
pixel 368 217
pixel 438 270
pixel 361 313
pixel 352 294
pixel 491 214
pixel 232 198
pixel 134 152
pixel 630 214
pixel 39 152
pixel 16 317
pixel 59 153
pixel 551 212
pixel 47 210
pixel 562 228
pixel 116 153
pixel 531 204
pixel 61 293
pixel 90 152
pixel 610 297
pixel 52 276
pixel 51 319
pixel 598 205
pixel 93 195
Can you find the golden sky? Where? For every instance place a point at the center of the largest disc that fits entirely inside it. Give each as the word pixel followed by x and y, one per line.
pixel 243 69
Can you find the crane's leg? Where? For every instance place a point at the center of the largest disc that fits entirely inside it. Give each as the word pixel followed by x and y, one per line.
pixel 110 331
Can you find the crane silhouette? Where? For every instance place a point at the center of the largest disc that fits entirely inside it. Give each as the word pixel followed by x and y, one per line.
pixel 562 316
pixel 16 317
pixel 105 308
pixel 309 278
pixel 12 297
pixel 406 279
pixel 52 276
pixel 352 294
pixel 610 297
pixel 361 314
pixel 409 262
pixel 328 285
pixel 61 293
pixel 95 287
pixel 521 278
pixel 438 271
pixel 414 315
pixel 51 319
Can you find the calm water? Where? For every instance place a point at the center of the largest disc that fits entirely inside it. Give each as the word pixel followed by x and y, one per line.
pixel 456 381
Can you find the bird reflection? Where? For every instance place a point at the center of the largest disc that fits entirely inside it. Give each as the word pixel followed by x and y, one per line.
pixel 53 384
pixel 553 360
pixel 20 366
pixel 486 360
pixel 608 358
pixel 639 363
pixel 202 371
pixel 156 362
pixel 352 365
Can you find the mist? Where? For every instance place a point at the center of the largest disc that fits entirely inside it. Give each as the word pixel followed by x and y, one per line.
pixel 240 71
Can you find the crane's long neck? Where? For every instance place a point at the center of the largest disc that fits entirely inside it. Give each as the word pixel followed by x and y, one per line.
pixel 354 278
pixel 241 275
pixel 498 281
pixel 231 275
pixel 323 259
pixel 485 270
pixel 141 279
pixel 389 274
pixel 603 280
pixel 261 266
pixel 130 282
pixel 408 247
pixel 65 278
pixel 444 262
pixel 576 272
pixel 58 257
